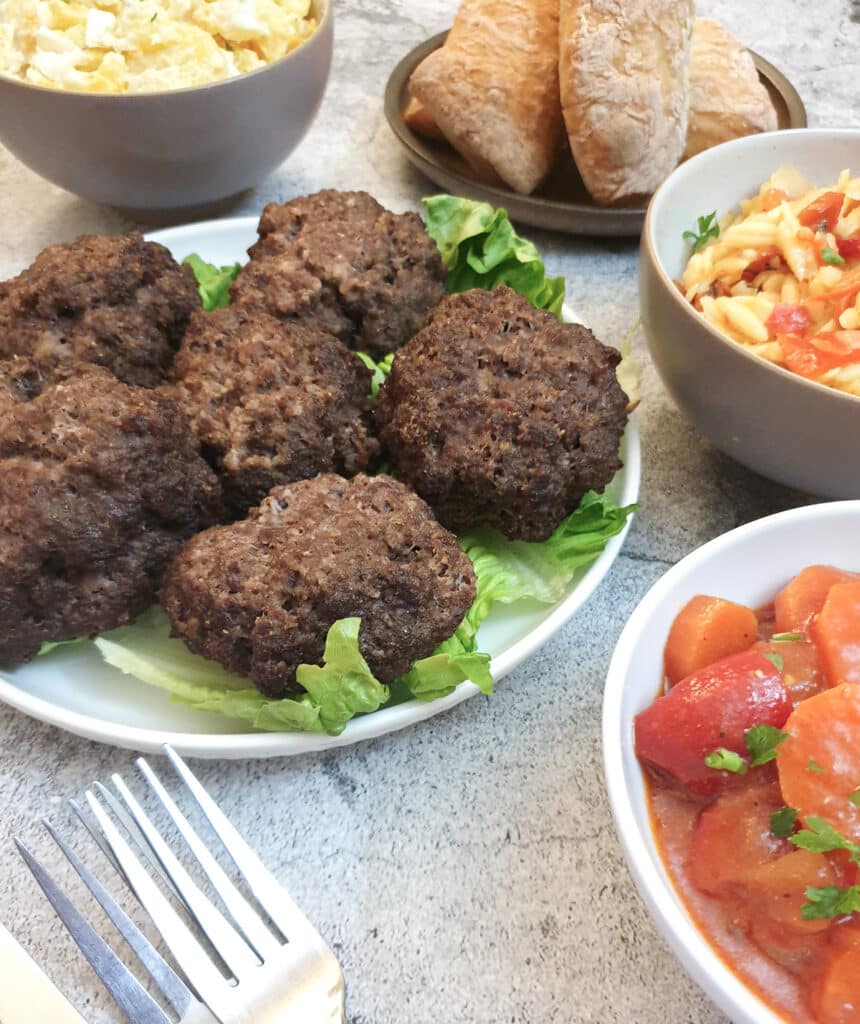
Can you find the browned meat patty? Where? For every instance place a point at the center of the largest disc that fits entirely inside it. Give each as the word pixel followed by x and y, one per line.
pixel 100 483
pixel 113 300
pixel 259 596
pixel 499 415
pixel 355 269
pixel 272 402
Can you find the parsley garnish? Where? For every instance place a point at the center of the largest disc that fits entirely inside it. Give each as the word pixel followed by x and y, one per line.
pixel 708 228
pixel 761 742
pixel 786 638
pixel 820 836
pixel 831 256
pixel 829 901
pixel 726 761
pixel 782 822
pixel 814 767
pixel 776 660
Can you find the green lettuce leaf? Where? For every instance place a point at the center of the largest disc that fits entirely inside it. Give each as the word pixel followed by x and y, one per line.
pixel 511 570
pixel 342 687
pixel 481 250
pixel 49 645
pixel 213 282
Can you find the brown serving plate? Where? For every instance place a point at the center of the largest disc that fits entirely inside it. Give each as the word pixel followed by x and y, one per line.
pixel 562 202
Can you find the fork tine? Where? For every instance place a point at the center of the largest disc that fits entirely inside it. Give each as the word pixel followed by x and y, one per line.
pixel 132 828
pixel 243 914
pixel 277 903
pixel 232 948
pixel 134 1001
pixel 212 988
pixel 161 973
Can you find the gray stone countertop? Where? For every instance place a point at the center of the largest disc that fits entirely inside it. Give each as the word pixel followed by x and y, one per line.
pixel 466 869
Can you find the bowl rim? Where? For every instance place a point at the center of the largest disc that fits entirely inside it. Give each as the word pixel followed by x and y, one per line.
pixel 668 283
pixel 323 22
pixel 702 961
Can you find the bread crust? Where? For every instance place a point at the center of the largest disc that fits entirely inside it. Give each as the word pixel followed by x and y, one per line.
pixel 493 88
pixel 624 91
pixel 727 98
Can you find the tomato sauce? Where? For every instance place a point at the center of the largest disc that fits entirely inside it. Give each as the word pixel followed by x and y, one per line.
pixel 752 759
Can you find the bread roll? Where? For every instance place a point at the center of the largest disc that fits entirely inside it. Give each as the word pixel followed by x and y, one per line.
pixel 624 91
pixel 493 88
pixel 727 98
pixel 419 119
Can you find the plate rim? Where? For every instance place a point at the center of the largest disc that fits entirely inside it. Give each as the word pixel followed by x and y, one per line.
pixel 255 744
pixel 618 221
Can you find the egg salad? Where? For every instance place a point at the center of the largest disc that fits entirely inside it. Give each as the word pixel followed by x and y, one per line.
pixel 132 46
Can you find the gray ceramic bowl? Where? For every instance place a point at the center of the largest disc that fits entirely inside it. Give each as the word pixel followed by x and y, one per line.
pixel 787 428
pixel 176 149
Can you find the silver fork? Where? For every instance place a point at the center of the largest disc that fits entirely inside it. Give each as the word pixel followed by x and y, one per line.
pixel 291 978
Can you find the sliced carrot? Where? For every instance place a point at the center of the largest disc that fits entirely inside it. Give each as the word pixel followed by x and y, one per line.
pixel 733 835
pixel 705 630
pixel 836 630
pixel 819 763
pixel 804 596
pixel 836 998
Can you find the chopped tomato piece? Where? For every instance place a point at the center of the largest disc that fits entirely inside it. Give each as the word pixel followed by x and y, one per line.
pixel 837 633
pixel 733 835
pixel 823 211
pixel 849 248
pixel 709 709
pixel 836 997
pixel 804 596
pixel 788 319
pixel 840 343
pixel 705 630
pixel 819 763
pixel 777 890
pixel 807 360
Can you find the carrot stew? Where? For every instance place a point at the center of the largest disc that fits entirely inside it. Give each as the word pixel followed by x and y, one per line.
pixel 752 755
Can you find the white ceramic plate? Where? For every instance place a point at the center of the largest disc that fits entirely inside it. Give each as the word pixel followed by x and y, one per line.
pixel 73 688
pixel 749 565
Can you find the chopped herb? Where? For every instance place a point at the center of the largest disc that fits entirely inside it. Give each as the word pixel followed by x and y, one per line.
pixel 855 798
pixel 786 638
pixel 776 660
pixel 154 16
pixel 832 257
pixel 829 901
pixel 708 228
pixel 782 822
pixel 726 761
pixel 821 837
pixel 761 742
pixel 814 767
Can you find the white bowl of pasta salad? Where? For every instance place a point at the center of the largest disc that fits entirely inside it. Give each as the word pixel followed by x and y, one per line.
pixel 750 292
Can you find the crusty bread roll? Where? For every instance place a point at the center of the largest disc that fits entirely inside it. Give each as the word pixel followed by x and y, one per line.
pixel 493 88
pixel 417 117
pixel 624 91
pixel 727 98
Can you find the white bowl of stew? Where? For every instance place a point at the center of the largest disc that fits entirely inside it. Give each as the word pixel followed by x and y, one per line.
pixel 749 566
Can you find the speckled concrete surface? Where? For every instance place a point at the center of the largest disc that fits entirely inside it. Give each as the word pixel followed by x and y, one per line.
pixel 465 870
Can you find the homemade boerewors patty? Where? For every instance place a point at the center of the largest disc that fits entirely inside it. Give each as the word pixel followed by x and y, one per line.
pixel 113 300
pixel 499 415
pixel 272 402
pixel 259 596
pixel 100 483
pixel 339 259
